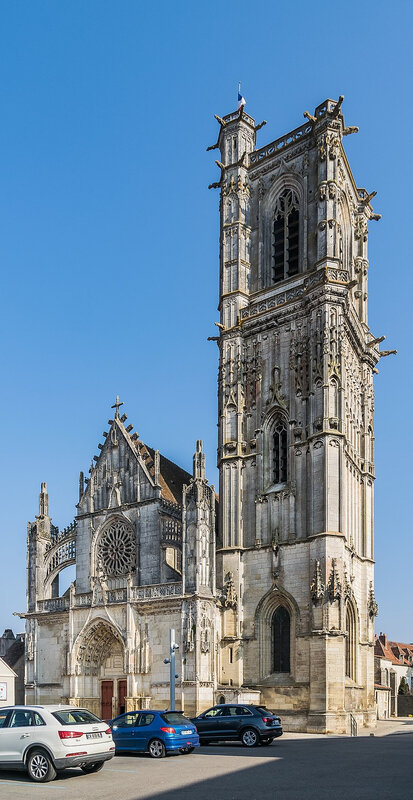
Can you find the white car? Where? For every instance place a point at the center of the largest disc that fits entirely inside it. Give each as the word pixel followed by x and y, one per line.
pixel 44 739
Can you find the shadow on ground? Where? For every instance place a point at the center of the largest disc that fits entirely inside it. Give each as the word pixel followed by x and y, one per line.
pixel 313 769
pixel 364 768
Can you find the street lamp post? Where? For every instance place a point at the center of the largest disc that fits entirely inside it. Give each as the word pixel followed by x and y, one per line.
pixel 171 661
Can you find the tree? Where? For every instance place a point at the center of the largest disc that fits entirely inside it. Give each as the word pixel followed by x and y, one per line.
pixel 404 686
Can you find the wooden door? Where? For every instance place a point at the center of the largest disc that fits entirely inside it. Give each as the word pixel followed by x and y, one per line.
pixel 106 698
pixel 121 696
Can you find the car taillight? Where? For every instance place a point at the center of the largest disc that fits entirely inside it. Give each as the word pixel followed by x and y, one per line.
pixel 108 730
pixel 70 734
pixel 168 730
pixel 82 753
pixel 267 719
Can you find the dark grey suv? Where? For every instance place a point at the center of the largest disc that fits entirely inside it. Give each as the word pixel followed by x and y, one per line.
pixel 249 724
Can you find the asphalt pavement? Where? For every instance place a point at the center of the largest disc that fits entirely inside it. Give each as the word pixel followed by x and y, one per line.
pixel 295 767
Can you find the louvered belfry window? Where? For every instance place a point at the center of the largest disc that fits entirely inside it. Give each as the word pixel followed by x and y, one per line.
pixel 286 236
pixel 280 452
pixel 281 640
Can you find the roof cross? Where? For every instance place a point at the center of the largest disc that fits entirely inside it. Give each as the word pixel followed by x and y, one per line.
pixel 117 406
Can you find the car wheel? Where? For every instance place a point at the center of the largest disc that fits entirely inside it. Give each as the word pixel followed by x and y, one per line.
pixel 249 737
pixel 157 749
pixel 40 767
pixel 96 767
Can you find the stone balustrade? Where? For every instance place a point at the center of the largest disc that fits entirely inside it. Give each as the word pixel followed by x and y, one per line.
pixel 156 591
pixel 53 604
pixel 116 595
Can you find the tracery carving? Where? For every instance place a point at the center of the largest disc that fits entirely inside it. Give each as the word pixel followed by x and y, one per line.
pixel 347 590
pixel 274 395
pixel 252 373
pixel 328 143
pixel 229 596
pixel 205 638
pixel 189 631
pixel 334 589
pixel 317 587
pixel 116 549
pixel 299 361
pixel 372 605
pixel 97 644
pixel 360 227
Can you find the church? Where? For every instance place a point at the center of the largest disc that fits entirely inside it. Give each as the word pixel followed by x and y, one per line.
pixel 269 584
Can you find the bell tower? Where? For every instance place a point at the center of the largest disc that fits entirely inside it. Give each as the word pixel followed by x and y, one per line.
pixel 295 400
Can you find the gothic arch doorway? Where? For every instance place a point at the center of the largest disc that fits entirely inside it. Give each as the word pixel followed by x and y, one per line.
pixel 102 683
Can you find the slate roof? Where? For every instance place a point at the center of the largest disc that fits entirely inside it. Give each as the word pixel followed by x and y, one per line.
pixel 14 652
pixel 172 478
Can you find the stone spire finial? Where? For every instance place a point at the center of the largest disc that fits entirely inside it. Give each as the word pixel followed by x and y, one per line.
pixel 157 466
pixel 43 501
pixel 81 485
pixel 199 461
pixel 116 406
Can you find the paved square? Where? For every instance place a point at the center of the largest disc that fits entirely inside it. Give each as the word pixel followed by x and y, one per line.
pixel 296 767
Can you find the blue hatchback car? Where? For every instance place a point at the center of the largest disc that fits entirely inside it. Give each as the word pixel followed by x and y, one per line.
pixel 155 732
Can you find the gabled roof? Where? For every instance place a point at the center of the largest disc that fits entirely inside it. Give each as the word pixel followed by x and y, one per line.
pixel 171 477
pixel 384 651
pixel 402 651
pixel 396 652
pixel 6 670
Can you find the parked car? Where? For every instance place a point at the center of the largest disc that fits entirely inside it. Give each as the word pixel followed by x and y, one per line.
pixel 45 739
pixel 155 732
pixel 250 724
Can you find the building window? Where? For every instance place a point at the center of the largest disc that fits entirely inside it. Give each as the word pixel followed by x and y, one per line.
pixel 280 452
pixel 350 642
pixel 286 236
pixel 173 558
pixel 281 640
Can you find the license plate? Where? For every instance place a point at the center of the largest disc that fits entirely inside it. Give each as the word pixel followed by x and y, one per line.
pixel 186 733
pixel 93 736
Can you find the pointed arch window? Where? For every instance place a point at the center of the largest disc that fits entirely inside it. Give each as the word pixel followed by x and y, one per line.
pixel 286 236
pixel 280 452
pixel 281 630
pixel 350 642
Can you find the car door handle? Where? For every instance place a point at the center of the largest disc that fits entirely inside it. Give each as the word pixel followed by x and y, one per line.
pixel 24 735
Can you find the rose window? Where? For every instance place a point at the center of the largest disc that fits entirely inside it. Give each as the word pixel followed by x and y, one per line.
pixel 116 549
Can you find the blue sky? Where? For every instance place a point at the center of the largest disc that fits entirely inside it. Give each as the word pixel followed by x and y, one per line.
pixel 109 236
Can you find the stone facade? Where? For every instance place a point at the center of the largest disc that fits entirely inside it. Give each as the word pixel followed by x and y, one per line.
pixel 143 542
pixel 296 422
pixel 278 605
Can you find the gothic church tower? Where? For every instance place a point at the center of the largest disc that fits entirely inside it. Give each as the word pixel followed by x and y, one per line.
pixel 295 399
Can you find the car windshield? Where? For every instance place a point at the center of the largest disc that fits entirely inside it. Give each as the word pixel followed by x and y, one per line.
pixel 75 717
pixel 264 710
pixel 174 718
